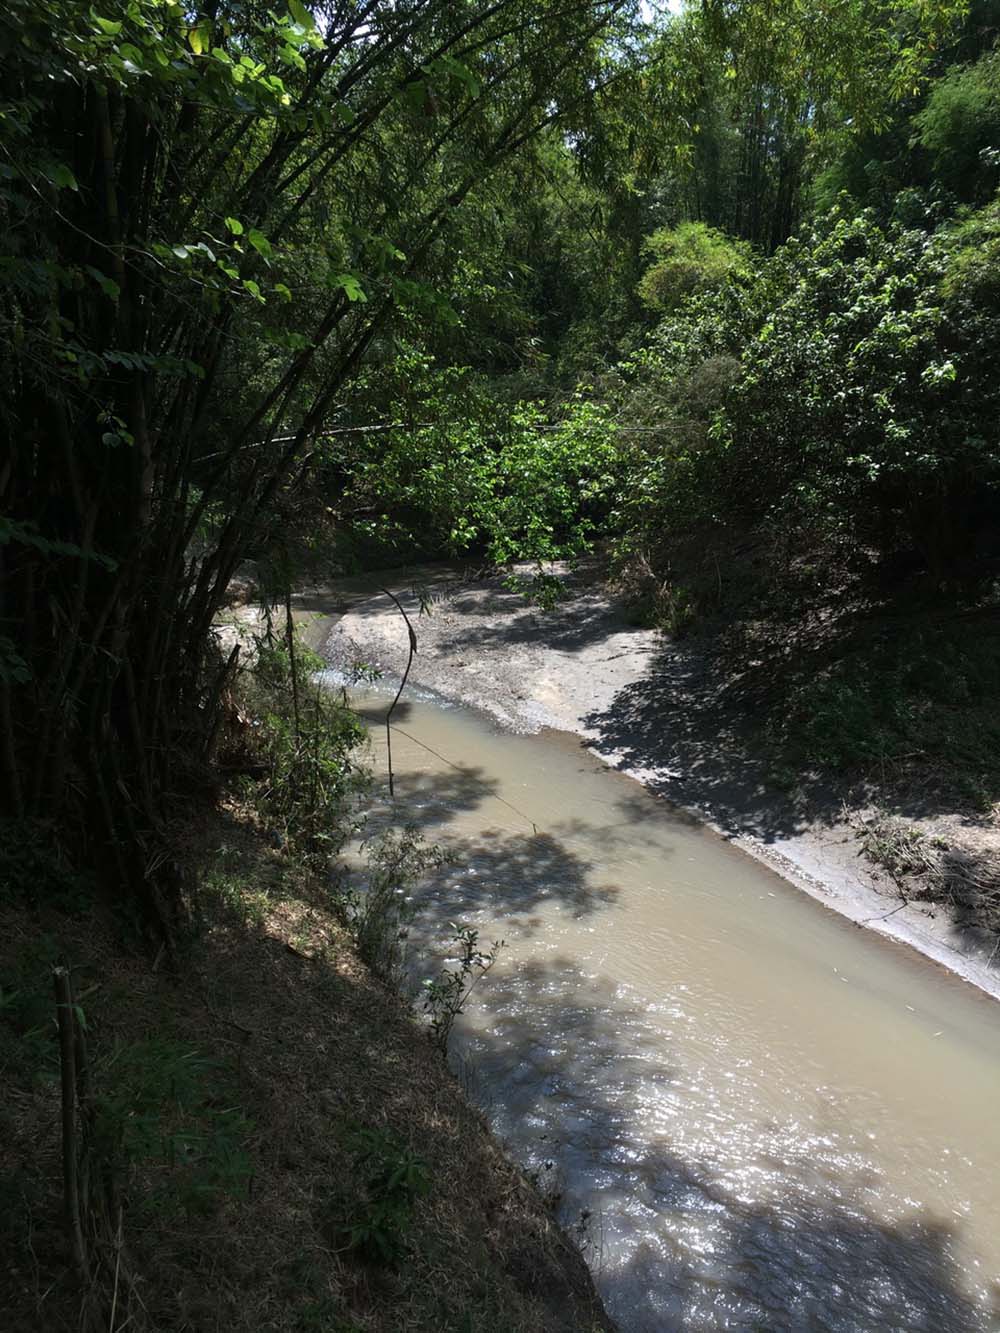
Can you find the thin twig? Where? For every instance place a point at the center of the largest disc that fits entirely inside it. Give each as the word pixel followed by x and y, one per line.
pixel 402 685
pixel 118 1263
pixel 865 920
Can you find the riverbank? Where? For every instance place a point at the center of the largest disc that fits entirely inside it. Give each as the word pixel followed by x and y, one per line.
pixel 289 1149
pixel 648 706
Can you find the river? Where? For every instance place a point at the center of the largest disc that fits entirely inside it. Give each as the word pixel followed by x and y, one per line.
pixel 753 1114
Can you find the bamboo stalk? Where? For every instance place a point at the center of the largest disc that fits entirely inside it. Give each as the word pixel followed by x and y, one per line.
pixel 70 1147
pixel 293 665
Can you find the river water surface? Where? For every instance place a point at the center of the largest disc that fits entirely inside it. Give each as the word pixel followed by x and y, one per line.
pixel 754 1114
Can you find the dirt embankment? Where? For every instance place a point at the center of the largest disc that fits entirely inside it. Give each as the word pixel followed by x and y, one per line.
pixel 650 707
pixel 292 1152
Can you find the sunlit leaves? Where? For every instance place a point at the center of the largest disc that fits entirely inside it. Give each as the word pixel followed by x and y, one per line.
pixel 199 38
pixel 687 259
pixel 300 14
pixel 349 284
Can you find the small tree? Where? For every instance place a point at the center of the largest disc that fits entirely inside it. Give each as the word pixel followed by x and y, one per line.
pixel 687 259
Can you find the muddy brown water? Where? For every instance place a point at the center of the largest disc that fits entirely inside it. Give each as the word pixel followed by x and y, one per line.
pixel 752 1113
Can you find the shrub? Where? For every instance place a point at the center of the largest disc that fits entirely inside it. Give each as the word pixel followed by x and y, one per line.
pixel 305 740
pixel 466 472
pixel 925 696
pixel 395 1178
pixel 688 259
pixel 380 914
pixel 958 126
pixel 446 995
pixel 862 405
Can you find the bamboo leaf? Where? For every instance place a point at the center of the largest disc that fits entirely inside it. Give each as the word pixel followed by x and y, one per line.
pixel 59 174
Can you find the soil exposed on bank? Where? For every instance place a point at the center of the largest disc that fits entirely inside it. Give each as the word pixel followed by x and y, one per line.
pixel 649 706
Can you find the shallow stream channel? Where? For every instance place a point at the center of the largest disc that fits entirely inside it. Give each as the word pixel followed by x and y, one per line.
pixel 752 1113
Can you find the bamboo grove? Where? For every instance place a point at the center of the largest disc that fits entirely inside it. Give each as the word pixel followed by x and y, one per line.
pixel 211 216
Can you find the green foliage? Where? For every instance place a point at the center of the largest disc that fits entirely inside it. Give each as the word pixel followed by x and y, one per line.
pixel 465 472
pixel 674 392
pixel 446 995
pixel 395 1178
pixel 549 485
pixel 971 281
pixel 214 217
pixel 312 779
pixel 959 124
pixel 230 887
pixel 160 1116
pixel 234 237
pixel 924 698
pixel 541 588
pixel 688 259
pixel 380 913
pixel 846 387
pixel 743 103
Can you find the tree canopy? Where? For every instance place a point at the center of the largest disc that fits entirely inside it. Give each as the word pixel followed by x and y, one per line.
pixel 341 283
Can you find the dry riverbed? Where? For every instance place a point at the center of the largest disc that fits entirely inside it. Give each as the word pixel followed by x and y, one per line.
pixel 647 705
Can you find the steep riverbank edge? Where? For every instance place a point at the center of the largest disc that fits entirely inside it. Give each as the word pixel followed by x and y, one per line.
pixel 644 705
pixel 266 1087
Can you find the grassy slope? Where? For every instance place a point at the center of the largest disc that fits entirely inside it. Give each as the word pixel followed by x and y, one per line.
pixel 243 1187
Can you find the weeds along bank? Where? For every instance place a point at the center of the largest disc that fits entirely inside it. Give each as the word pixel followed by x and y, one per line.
pixel 263 1135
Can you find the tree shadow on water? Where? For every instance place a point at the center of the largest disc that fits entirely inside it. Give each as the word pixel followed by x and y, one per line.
pixel 832 1270
pixel 584 1087
pixel 503 880
pixel 428 802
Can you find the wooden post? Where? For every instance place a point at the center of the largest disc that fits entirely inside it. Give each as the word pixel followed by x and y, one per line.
pixel 70 1144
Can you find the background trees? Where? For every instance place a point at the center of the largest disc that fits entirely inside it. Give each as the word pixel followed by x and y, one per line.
pixel 361 281
pixel 212 216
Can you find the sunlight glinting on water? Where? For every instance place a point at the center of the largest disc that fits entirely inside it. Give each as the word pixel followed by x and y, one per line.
pixel 752 1114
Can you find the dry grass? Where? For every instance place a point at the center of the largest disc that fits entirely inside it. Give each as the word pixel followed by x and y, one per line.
pixel 960 873
pixel 307 1047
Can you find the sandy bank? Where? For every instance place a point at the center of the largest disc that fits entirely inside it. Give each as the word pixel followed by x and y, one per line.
pixel 645 705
